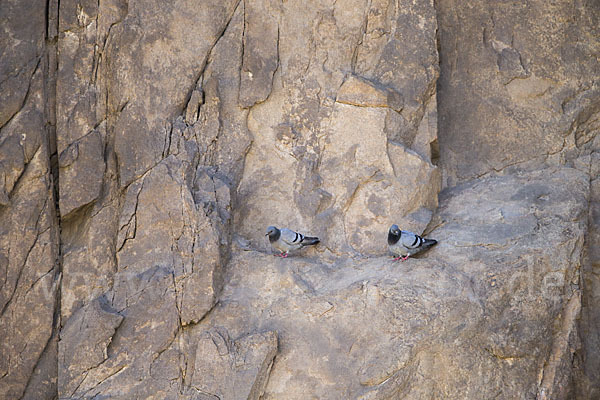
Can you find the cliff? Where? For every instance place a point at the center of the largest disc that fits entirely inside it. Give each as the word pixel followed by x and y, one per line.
pixel 146 146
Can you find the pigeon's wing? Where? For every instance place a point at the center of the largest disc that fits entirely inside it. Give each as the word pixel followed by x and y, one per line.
pixel 290 237
pixel 410 240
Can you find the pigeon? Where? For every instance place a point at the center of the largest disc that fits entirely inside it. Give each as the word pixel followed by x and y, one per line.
pixel 404 244
pixel 286 240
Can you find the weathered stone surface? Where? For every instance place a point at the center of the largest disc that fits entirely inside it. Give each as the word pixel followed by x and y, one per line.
pixel 232 369
pixel 174 236
pixel 154 141
pixel 166 278
pixel 519 90
pixel 166 52
pixel 399 49
pixel 165 234
pixel 346 90
pixel 88 261
pixel 587 363
pixel 515 80
pixel 12 166
pixel 81 162
pixel 21 47
pixel 534 276
pixel 29 274
pixel 261 48
pixel 359 92
pixel 498 295
pixel 382 182
pixel 148 303
pixel 28 247
pixel 43 382
pixel 89 332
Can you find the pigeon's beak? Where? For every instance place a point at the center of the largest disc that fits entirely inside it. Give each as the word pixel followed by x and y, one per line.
pixel 267 234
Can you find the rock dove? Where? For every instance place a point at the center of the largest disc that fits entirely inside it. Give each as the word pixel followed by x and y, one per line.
pixel 404 244
pixel 286 240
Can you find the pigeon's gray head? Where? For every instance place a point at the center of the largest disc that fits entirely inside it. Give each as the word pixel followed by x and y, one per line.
pixel 394 229
pixel 272 231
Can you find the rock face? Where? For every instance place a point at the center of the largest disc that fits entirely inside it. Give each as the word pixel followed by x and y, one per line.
pixel 29 229
pixel 145 146
pixel 340 103
pixel 517 81
pixel 504 275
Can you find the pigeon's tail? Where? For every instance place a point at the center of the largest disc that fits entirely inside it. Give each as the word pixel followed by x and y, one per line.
pixel 427 243
pixel 309 241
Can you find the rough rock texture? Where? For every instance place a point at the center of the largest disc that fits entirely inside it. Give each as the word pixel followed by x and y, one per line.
pixel 480 301
pixel 145 146
pixel 588 360
pixel 231 370
pixel 518 79
pixel 29 271
pixel 519 90
pixel 352 94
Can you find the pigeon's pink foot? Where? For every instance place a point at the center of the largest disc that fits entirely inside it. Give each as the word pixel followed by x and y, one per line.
pixel 397 258
pixel 284 255
pixel 404 258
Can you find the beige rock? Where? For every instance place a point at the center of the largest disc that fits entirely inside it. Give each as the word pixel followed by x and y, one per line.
pixel 168 52
pixel 302 137
pixel 22 47
pixel 425 142
pixel 399 51
pixel 359 92
pixel 495 296
pixel 88 262
pixel 233 369
pixel 587 361
pixel 83 161
pixel 261 48
pixel 88 332
pixel 140 347
pixel 506 95
pixel 383 181
pixel 29 232
pixel 170 134
pixel 154 248
pixel 12 166
pixel 166 230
